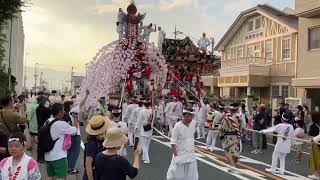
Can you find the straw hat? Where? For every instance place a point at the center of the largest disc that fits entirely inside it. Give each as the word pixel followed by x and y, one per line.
pixel 114 138
pixel 98 125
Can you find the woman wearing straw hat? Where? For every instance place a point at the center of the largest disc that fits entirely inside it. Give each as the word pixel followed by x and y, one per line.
pixel 109 165
pixel 96 129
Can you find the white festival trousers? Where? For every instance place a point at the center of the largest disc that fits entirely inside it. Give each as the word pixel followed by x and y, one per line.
pixel 211 139
pixel 185 171
pixel 171 122
pixel 130 134
pixel 282 157
pixel 200 130
pixel 145 143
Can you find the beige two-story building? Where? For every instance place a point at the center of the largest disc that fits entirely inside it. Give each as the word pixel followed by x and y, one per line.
pixel 307 80
pixel 259 55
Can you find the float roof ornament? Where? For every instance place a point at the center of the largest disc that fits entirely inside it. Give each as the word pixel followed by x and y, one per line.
pixel 132 9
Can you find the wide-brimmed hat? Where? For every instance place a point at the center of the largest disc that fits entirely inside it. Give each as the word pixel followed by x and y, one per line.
pixel 114 138
pixel 98 125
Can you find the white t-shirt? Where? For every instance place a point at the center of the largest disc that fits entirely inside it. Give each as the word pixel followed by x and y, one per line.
pixel 183 137
pixel 58 130
pixel 283 144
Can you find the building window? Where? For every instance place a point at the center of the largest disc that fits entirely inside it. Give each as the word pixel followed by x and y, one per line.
pixel 314 38
pixel 250 26
pixel 268 51
pixel 232 92
pixel 285 91
pixel 275 91
pixel 286 51
pixel 240 52
pixel 258 23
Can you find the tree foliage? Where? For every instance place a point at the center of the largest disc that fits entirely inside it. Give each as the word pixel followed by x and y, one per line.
pixel 9 9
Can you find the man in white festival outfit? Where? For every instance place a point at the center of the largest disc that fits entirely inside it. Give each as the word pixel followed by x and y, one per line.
pixel 184 161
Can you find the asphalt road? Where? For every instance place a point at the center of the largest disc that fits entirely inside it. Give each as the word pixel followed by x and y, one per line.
pixel 211 165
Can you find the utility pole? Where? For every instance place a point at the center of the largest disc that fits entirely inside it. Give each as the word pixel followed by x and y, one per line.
pixel 41 80
pixel 175 31
pixel 71 88
pixel 35 75
pixel 9 63
pixel 212 43
pixel 25 71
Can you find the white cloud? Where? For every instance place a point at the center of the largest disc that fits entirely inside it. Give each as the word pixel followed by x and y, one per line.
pixel 169 5
pixel 239 5
pixel 102 8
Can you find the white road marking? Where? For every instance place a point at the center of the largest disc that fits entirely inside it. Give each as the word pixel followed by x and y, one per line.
pixel 262 163
pixel 224 169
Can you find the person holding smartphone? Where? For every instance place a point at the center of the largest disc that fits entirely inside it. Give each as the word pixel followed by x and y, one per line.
pixel 110 165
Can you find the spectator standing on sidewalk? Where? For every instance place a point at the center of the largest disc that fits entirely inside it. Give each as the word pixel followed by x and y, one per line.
pixel 74 151
pixel 56 159
pixel 9 121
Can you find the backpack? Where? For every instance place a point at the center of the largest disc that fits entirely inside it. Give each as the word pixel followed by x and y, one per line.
pixel 46 143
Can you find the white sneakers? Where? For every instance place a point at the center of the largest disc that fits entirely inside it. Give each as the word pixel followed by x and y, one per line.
pixel 313 176
pixel 273 172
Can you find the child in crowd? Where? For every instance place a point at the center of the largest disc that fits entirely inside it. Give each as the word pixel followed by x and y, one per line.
pixel 297 146
pixel 18 165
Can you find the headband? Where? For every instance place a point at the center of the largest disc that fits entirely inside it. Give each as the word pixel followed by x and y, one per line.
pixel 16 139
pixel 186 111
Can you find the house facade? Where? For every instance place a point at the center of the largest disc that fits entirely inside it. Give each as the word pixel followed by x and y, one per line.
pixel 259 55
pixel 307 81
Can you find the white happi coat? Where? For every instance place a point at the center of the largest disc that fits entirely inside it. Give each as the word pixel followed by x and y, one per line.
pixel 160 113
pixel 29 169
pixel 161 37
pixel 142 120
pixel 169 110
pixel 203 112
pixel 184 165
pixel 283 145
pixel 129 111
pixel 133 120
pixel 203 43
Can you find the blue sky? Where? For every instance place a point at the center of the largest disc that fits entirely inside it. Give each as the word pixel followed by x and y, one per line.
pixel 70 32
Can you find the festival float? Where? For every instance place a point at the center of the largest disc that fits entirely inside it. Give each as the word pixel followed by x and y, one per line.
pixel 131 66
pixel 126 67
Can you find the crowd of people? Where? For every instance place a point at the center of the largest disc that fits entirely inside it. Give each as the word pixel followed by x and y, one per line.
pixel 55 136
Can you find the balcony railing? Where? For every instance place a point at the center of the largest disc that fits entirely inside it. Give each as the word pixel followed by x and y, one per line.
pixel 245 61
